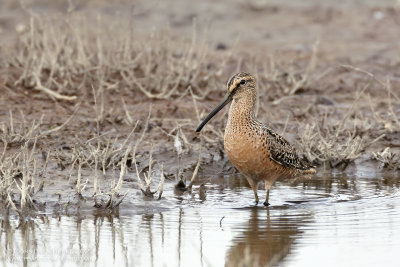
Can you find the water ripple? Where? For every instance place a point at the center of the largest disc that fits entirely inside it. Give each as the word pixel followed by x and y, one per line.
pixel 324 221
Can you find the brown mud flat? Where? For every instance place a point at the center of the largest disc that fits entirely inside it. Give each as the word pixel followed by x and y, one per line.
pixel 88 101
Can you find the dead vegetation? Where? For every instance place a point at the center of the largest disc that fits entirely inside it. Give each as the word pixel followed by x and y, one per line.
pixel 64 63
pixel 179 76
pixel 341 140
pixel 148 170
pixel 21 178
pixel 389 159
pixel 282 81
pixel 114 196
pixel 334 144
pixel 17 134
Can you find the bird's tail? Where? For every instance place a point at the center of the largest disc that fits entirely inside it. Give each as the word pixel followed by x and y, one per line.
pixel 309 171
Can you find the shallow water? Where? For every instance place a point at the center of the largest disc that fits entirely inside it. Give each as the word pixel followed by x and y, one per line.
pixel 329 220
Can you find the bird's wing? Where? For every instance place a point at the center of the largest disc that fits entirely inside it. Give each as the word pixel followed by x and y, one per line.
pixel 283 153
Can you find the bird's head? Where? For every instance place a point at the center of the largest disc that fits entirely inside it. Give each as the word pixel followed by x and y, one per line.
pixel 239 86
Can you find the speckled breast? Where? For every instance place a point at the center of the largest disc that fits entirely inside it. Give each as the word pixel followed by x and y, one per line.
pixel 250 155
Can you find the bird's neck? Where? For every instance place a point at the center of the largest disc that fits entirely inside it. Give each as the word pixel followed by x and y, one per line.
pixel 242 110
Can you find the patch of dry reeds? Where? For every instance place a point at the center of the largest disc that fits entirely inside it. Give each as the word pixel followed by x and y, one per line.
pixel 21 178
pixel 63 57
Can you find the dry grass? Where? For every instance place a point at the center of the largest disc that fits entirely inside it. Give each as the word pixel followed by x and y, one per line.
pixel 389 159
pixel 341 140
pixel 81 62
pixel 325 142
pixel 64 63
pixel 114 197
pixel 21 178
pixel 23 132
pixel 149 177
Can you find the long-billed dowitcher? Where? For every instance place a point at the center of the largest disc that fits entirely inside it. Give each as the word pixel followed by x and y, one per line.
pixel 255 150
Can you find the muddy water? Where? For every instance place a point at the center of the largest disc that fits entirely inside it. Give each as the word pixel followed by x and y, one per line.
pixel 329 220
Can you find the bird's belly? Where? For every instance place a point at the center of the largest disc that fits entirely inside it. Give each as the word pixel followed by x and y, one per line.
pixel 251 157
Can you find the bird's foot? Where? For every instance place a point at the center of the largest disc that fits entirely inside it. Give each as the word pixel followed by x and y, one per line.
pixel 256 198
pixel 266 204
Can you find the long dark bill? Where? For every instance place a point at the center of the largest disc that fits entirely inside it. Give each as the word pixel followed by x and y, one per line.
pixel 215 111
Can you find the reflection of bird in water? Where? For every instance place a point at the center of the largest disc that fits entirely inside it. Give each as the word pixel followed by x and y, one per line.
pixel 265 241
pixel 202 192
pixel 255 150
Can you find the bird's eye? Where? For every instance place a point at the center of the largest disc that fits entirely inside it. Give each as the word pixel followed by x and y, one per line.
pixel 243 82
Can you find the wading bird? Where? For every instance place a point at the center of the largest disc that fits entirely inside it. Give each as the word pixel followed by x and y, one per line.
pixel 254 149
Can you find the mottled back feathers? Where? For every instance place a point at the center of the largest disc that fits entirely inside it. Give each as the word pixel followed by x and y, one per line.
pixel 282 152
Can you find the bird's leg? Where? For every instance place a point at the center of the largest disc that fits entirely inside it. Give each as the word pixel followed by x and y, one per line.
pixel 254 187
pixel 256 195
pixel 266 203
pixel 267 188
